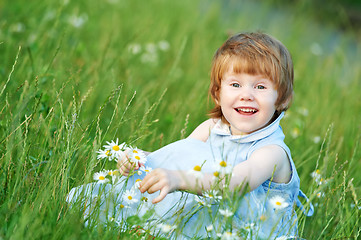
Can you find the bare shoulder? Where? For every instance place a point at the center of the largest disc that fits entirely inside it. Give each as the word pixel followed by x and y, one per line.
pixel 276 159
pixel 203 130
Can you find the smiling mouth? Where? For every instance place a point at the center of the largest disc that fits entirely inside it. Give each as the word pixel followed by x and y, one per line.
pixel 248 111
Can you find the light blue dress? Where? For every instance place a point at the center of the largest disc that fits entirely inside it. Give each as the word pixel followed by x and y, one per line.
pixel 253 214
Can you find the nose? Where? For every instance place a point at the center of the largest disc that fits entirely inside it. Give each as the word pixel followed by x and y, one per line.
pixel 246 94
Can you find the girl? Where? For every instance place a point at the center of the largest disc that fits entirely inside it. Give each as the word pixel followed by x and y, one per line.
pixel 239 149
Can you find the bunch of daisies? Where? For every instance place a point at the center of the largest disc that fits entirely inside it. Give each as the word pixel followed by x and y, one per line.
pixel 113 151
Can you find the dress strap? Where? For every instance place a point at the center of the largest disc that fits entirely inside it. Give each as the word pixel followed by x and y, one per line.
pixel 299 204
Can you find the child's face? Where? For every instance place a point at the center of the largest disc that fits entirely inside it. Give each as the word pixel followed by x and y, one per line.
pixel 247 101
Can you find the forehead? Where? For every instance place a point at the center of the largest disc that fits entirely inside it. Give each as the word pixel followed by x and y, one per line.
pixel 239 64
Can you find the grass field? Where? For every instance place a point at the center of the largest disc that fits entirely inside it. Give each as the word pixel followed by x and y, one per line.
pixel 75 74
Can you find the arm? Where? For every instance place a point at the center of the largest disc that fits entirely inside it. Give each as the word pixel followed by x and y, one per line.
pixel 202 131
pixel 265 163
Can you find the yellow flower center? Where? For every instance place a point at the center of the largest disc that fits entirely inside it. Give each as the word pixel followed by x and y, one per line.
pixel 223 164
pixel 262 218
pixel 101 177
pixel 110 173
pixel 138 180
pixel 144 199
pixel 116 148
pixel 278 203
pixel 318 171
pixel 130 197
pixel 197 168
pixel 137 157
pixel 108 153
pixel 135 151
pixel 216 174
pixel 121 206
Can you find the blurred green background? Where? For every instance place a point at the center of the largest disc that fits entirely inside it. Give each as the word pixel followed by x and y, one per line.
pixel 75 74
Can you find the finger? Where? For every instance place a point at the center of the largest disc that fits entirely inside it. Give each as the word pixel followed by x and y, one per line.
pixel 148 182
pixel 163 193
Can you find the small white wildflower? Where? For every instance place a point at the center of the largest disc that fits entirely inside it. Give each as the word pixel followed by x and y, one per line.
pixel 137 156
pixel 137 184
pixel 209 228
pixel 316 139
pixel 213 195
pixel 114 174
pixel 228 235
pixel 222 168
pixel 201 201
pixel 316 49
pixel 115 148
pixel 225 212
pixel 151 48
pixel 134 48
pixel 295 132
pixel 320 194
pixel 101 177
pixel 105 154
pixel 163 45
pixel 145 169
pixel 129 197
pixel 196 172
pixel 78 21
pixel 317 177
pixel 303 111
pixel 166 228
pixel 278 202
pixel 149 57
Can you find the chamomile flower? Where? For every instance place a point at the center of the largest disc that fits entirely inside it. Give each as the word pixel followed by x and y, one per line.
pixel 222 168
pixel 225 212
pixel 137 184
pixel 317 177
pixel 106 153
pixel 137 156
pixel 201 201
pixel 212 195
pixel 114 174
pixel 278 202
pixel 196 172
pixel 129 197
pixel 145 169
pixel 115 148
pixel 101 177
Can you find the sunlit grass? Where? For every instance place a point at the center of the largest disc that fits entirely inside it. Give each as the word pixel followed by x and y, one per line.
pixel 71 82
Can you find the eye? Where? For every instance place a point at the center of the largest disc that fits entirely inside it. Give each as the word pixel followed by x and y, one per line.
pixel 236 85
pixel 260 87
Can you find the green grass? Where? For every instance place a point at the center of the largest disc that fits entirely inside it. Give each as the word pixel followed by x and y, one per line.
pixel 65 90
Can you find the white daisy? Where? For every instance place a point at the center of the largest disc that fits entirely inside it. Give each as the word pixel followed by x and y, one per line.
pixel 137 156
pixel 201 201
pixel 129 197
pixel 222 168
pixel 101 177
pixel 196 172
pixel 114 174
pixel 212 195
pixel 115 148
pixel 278 202
pixel 163 45
pixel 225 212
pixel 105 154
pixel 145 169
pixel 136 185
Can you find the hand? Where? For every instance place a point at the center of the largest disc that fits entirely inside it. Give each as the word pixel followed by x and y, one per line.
pixel 124 164
pixel 162 180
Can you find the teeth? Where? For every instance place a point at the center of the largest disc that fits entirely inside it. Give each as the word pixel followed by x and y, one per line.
pixel 247 109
